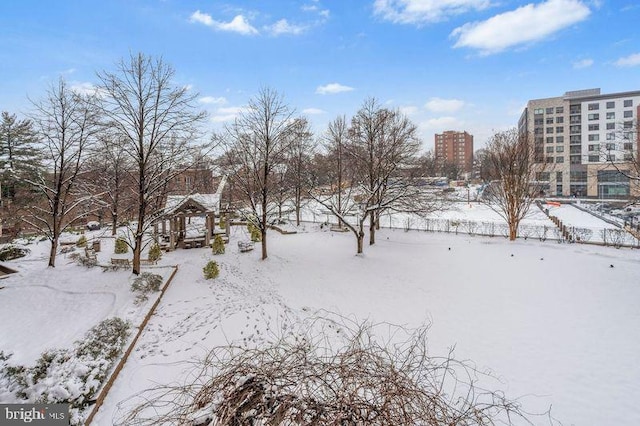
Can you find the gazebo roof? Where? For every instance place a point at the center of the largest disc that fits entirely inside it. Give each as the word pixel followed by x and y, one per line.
pixel 194 203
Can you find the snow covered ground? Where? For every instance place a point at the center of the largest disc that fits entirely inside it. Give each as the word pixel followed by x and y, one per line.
pixel 556 323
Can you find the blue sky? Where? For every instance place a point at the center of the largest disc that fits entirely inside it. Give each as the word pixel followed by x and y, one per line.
pixel 448 64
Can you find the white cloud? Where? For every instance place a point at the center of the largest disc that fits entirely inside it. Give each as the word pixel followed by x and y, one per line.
pixel 213 100
pixel 409 109
pixel 239 24
pixel 227 114
pixel 201 18
pixel 583 63
pixel 526 24
pixel 312 111
pixel 332 88
pixel 632 60
pixel 86 88
pixel 449 106
pixel 420 12
pixel 284 27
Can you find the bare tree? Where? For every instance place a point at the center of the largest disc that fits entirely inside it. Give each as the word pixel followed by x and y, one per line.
pixel 112 168
pixel 622 151
pixel 255 145
pixel 66 123
pixel 335 140
pixel 157 122
pixel 381 142
pixel 301 150
pixel 382 145
pixel 511 169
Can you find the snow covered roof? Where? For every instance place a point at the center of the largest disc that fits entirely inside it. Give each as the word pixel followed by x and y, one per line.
pixel 198 202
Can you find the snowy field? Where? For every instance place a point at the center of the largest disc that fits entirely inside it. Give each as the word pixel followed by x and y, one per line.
pixel 555 323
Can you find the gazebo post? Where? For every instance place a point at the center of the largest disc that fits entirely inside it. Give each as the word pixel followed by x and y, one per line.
pixel 172 234
pixel 207 234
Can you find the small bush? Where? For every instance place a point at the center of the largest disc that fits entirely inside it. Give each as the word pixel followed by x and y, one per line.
pixel 254 232
pixel 89 262
pixel 121 246
pixel 211 270
pixel 82 241
pixel 222 224
pixel 11 252
pixel 145 284
pixel 155 253
pixel 217 245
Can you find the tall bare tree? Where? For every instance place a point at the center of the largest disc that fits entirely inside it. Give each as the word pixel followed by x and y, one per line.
pixel 157 122
pixel 623 151
pixel 111 165
pixel 381 143
pixel 256 144
pixel 301 150
pixel 511 170
pixel 335 139
pixel 66 123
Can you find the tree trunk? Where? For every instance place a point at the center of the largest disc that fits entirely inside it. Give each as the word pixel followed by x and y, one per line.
pixel 263 233
pixel 298 215
pixel 372 228
pixel 52 253
pixel 360 239
pixel 114 224
pixel 513 231
pixel 137 251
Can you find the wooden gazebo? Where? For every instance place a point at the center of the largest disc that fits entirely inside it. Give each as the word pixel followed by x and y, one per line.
pixel 188 220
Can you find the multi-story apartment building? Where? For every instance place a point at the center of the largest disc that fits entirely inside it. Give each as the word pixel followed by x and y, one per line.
pixel 453 147
pixel 584 139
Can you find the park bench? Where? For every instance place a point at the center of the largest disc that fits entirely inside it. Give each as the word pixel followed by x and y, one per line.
pixel 120 263
pixel 245 246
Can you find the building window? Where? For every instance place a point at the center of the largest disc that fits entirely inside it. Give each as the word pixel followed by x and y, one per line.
pixel 611 104
pixel 578 176
pixel 594 158
pixel 549 120
pixel 549 159
pixel 610 146
pixel 558 176
pixel 628 103
pixel 593 138
pixel 594 127
pixel 549 130
pixel 549 111
pixel 628 157
pixel 543 176
pixel 549 149
pixel 574 139
pixel 611 136
pixel 549 139
pixel 594 107
pixel 611 157
pixel 559 159
pixel 574 129
pixel 628 146
pixel 611 126
pixel 560 129
pixel 575 159
pixel 559 120
pixel 559 139
pixel 559 110
pixel 628 114
pixel 611 116
pixel 627 125
pixel 594 147
pixel 594 116
pixel 575 149
pixel 559 148
pixel 538 111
